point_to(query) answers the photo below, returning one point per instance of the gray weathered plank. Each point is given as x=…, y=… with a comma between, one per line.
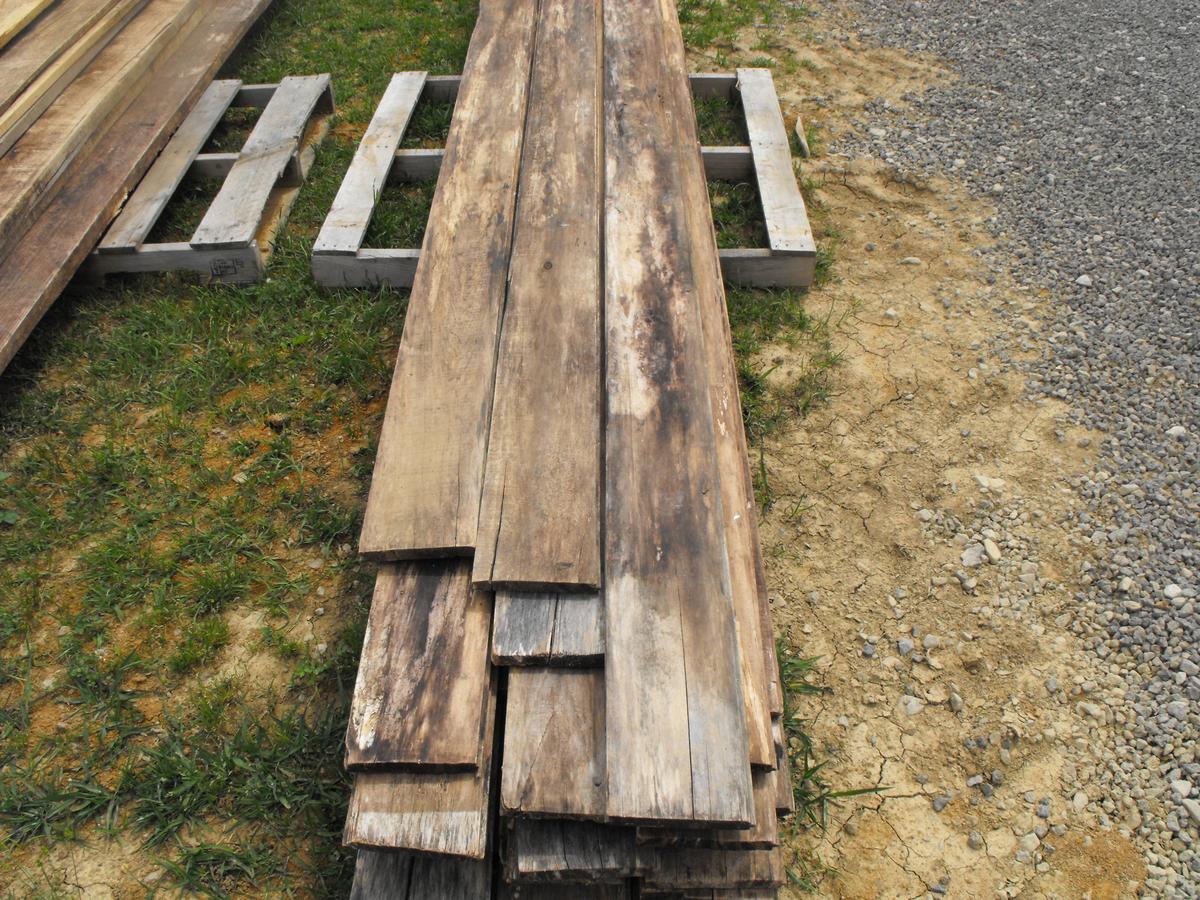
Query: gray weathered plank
x=368, y=268
x=147, y=202
x=688, y=869
x=763, y=836
x=233, y=218
x=344, y=226
x=421, y=691
x=554, y=744
x=785, y=797
x=564, y=851
x=444, y=813
x=381, y=875
x=676, y=723
x=788, y=230
x=539, y=518
x=229, y=266
x=428, y=476
x=549, y=629
x=763, y=268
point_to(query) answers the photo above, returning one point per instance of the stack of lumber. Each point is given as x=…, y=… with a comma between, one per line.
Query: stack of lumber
x=90, y=91
x=568, y=684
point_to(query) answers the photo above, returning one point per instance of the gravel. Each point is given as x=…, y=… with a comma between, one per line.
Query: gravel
x=1079, y=121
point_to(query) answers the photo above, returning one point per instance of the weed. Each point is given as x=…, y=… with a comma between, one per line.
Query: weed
x=202, y=641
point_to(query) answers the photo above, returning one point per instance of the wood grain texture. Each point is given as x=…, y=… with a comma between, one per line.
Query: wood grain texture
x=506, y=891
x=421, y=691
x=24, y=109
x=444, y=813
x=788, y=229
x=578, y=852
x=554, y=744
x=233, y=218
x=676, y=723
x=381, y=875
x=428, y=476
x=547, y=629
x=40, y=261
x=785, y=797
x=71, y=124
x=346, y=224
x=146, y=204
x=736, y=488
x=450, y=879
x=539, y=522
x=16, y=14
x=763, y=836
x=29, y=55
x=686, y=869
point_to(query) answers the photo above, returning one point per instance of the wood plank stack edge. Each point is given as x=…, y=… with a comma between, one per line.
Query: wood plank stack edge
x=568, y=684
x=90, y=92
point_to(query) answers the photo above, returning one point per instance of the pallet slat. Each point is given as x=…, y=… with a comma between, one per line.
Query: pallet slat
x=443, y=813
x=788, y=230
x=233, y=218
x=547, y=629
x=16, y=14
x=146, y=204
x=429, y=470
x=675, y=720
x=346, y=224
x=421, y=691
x=539, y=519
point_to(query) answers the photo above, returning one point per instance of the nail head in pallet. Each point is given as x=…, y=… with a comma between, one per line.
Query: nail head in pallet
x=788, y=261
x=235, y=237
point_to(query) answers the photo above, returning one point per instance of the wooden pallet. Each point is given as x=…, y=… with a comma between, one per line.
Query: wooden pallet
x=235, y=237
x=339, y=259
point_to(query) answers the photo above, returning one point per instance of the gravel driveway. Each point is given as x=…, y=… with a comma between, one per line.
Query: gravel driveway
x=1080, y=121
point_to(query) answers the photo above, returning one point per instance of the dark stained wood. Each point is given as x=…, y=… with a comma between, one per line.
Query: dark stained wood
x=576, y=891
x=381, y=875
x=547, y=629
x=429, y=470
x=450, y=879
x=89, y=193
x=421, y=691
x=539, y=523
x=444, y=813
x=554, y=744
x=684, y=870
x=676, y=722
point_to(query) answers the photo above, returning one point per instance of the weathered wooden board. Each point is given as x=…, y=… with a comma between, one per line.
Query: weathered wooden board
x=429, y=470
x=16, y=14
x=344, y=227
x=554, y=744
x=148, y=201
x=736, y=489
x=421, y=692
x=556, y=850
x=70, y=125
x=233, y=218
x=676, y=723
x=391, y=875
x=381, y=875
x=539, y=522
x=685, y=869
x=788, y=230
x=577, y=891
x=42, y=259
x=23, y=110
x=38, y=48
x=241, y=265
x=785, y=796
x=763, y=836
x=547, y=629
x=445, y=813
x=368, y=268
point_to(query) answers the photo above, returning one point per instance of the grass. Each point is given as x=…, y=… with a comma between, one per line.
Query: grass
x=177, y=461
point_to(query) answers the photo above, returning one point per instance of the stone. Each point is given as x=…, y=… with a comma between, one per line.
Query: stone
x=1084, y=281
x=992, y=550
x=975, y=840
x=1177, y=431
x=972, y=556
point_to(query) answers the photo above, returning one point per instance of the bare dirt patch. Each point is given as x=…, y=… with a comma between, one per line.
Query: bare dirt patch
x=913, y=540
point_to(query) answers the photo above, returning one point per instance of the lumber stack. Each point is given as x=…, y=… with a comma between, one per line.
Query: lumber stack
x=90, y=91
x=568, y=684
